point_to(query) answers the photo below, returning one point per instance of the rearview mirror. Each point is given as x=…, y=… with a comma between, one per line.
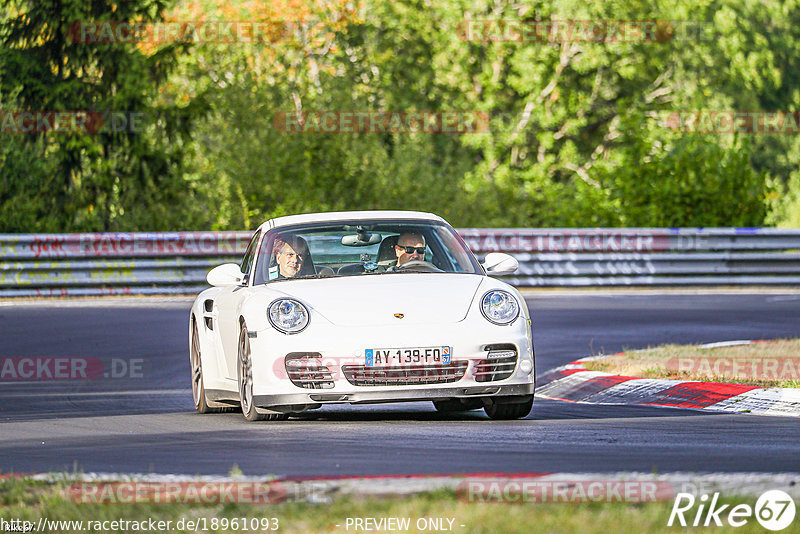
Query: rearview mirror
x=227, y=274
x=500, y=264
x=361, y=240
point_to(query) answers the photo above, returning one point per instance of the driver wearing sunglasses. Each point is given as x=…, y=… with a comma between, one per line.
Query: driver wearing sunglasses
x=409, y=247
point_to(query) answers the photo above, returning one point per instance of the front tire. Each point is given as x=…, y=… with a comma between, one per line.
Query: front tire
x=244, y=376
x=244, y=372
x=198, y=388
x=504, y=408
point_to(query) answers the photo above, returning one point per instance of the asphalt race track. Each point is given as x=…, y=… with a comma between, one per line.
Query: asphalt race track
x=143, y=420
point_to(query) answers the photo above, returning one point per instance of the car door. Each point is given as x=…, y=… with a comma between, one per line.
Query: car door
x=229, y=302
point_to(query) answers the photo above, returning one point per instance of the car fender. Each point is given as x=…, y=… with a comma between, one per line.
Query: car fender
x=211, y=352
x=255, y=308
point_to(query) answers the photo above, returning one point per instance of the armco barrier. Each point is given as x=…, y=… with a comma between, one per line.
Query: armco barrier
x=177, y=262
x=646, y=256
x=113, y=263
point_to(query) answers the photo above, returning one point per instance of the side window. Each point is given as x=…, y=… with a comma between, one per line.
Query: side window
x=250, y=255
x=443, y=258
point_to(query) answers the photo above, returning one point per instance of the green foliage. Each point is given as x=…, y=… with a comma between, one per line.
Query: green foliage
x=667, y=181
x=785, y=202
x=90, y=180
x=577, y=137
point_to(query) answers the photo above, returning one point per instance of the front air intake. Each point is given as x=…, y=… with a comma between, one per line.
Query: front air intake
x=305, y=370
x=499, y=364
x=411, y=375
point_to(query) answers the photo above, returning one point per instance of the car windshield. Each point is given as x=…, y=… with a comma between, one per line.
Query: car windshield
x=359, y=248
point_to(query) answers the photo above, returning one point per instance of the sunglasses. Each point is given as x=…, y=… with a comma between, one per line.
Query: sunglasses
x=411, y=250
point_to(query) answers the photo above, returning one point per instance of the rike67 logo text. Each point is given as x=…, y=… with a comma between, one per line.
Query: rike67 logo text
x=774, y=510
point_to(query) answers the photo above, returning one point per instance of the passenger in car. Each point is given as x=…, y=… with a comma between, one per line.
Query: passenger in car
x=292, y=258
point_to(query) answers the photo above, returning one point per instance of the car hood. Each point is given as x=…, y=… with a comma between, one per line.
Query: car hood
x=375, y=299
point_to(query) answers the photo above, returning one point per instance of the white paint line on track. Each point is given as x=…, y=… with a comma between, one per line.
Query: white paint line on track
x=98, y=302
x=784, y=293
x=719, y=344
x=107, y=426
x=781, y=298
x=70, y=394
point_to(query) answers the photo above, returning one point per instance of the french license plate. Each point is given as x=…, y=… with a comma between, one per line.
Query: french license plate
x=404, y=356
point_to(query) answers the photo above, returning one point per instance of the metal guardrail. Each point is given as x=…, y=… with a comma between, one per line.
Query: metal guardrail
x=646, y=256
x=177, y=262
x=139, y=263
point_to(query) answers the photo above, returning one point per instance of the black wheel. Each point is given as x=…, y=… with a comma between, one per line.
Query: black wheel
x=201, y=402
x=456, y=405
x=198, y=389
x=244, y=371
x=509, y=408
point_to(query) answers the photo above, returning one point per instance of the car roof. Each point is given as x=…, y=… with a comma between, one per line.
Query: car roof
x=333, y=216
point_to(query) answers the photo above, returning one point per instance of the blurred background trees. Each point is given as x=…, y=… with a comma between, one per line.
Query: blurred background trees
x=578, y=135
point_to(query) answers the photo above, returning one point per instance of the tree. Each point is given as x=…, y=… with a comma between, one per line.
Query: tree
x=91, y=178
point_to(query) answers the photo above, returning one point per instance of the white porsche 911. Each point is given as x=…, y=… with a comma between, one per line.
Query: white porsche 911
x=361, y=307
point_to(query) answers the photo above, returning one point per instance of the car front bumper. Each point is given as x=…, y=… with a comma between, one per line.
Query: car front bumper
x=301, y=401
x=272, y=388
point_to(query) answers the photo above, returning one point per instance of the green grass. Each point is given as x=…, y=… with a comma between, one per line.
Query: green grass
x=28, y=500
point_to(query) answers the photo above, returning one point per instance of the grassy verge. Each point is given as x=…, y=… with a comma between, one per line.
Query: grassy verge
x=27, y=500
x=767, y=364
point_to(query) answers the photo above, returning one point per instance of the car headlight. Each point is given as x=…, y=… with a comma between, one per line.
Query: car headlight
x=500, y=307
x=288, y=316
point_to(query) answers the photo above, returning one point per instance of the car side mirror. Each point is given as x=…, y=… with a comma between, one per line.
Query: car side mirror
x=500, y=264
x=225, y=275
